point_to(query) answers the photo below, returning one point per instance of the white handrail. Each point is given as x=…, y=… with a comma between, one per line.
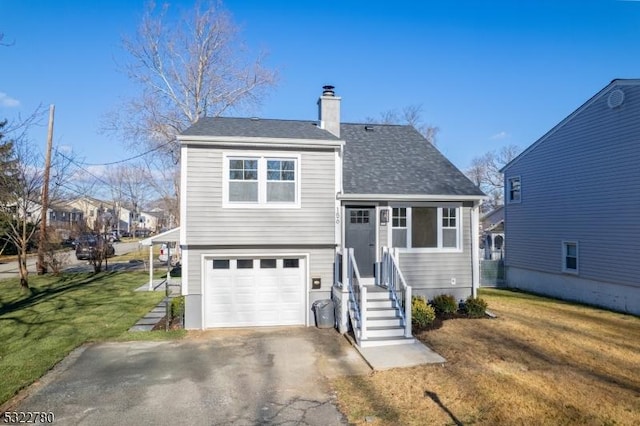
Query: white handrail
x=394, y=274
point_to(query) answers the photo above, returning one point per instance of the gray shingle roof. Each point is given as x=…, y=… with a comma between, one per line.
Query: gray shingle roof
x=258, y=127
x=396, y=159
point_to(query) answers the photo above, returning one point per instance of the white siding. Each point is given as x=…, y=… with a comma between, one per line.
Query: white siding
x=582, y=183
x=209, y=223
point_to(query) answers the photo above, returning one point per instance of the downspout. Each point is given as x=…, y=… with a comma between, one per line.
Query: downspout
x=475, y=249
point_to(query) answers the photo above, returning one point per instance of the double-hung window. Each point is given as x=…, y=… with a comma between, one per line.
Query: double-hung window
x=281, y=181
x=570, y=257
x=243, y=180
x=261, y=181
x=514, y=190
x=430, y=228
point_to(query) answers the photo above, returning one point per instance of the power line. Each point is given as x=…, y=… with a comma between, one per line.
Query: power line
x=130, y=158
x=85, y=170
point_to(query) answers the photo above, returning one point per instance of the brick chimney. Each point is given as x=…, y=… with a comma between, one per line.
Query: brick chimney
x=329, y=110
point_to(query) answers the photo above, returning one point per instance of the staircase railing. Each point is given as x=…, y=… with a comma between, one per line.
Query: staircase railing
x=392, y=278
x=357, y=292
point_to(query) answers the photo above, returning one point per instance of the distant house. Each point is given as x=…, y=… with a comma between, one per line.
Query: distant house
x=93, y=210
x=279, y=214
x=492, y=234
x=573, y=203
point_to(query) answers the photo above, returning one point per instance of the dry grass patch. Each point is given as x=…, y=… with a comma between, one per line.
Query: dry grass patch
x=540, y=362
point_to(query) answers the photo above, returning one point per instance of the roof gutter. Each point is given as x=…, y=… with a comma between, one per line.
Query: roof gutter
x=259, y=141
x=410, y=197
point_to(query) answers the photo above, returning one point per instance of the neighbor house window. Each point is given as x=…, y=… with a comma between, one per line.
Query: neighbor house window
x=261, y=181
x=426, y=227
x=570, y=257
x=514, y=190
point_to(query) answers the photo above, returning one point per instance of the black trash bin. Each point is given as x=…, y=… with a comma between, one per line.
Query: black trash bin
x=325, y=317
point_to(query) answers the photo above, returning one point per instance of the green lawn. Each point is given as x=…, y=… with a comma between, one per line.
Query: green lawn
x=38, y=330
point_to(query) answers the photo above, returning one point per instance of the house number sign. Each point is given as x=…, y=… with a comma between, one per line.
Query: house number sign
x=337, y=215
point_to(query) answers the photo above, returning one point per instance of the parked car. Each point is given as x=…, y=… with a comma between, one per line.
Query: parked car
x=68, y=243
x=142, y=233
x=113, y=237
x=88, y=246
x=164, y=255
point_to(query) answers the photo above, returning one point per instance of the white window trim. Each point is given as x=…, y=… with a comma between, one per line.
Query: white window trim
x=262, y=157
x=509, y=185
x=564, y=258
x=439, y=248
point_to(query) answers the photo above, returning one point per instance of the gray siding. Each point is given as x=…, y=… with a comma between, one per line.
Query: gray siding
x=567, y=287
x=430, y=274
x=582, y=183
x=208, y=223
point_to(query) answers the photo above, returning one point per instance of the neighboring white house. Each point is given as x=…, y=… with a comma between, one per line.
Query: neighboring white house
x=573, y=202
x=492, y=234
x=270, y=207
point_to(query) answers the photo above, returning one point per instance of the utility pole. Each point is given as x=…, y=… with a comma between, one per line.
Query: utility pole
x=42, y=241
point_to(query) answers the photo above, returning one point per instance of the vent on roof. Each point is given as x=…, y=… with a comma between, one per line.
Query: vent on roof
x=328, y=90
x=368, y=128
x=615, y=99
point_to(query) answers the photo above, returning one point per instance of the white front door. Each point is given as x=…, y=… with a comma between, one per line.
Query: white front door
x=254, y=292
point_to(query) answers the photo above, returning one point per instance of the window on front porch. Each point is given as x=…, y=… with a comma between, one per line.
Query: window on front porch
x=428, y=228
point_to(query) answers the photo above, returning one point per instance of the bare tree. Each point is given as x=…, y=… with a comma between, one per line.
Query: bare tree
x=411, y=115
x=485, y=173
x=21, y=210
x=185, y=68
x=130, y=185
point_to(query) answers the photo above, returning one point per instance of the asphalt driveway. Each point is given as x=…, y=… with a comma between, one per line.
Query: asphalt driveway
x=239, y=377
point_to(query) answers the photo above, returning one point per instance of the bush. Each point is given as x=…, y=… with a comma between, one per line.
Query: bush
x=475, y=308
x=177, y=310
x=422, y=314
x=445, y=304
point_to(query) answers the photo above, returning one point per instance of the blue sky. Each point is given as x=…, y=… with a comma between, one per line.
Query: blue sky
x=487, y=73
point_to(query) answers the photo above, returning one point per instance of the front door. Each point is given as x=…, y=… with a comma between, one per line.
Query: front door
x=360, y=235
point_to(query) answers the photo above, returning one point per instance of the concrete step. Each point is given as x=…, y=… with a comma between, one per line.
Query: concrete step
x=384, y=331
x=386, y=341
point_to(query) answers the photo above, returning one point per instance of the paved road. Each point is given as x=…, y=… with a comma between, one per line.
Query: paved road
x=225, y=377
x=10, y=269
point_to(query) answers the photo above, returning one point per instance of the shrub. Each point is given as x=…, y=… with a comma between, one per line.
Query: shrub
x=475, y=307
x=177, y=309
x=445, y=304
x=422, y=314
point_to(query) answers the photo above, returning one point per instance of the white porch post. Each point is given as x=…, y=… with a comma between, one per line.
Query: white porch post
x=407, y=312
x=151, y=267
x=475, y=249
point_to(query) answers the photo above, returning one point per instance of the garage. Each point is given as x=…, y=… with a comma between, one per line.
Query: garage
x=265, y=291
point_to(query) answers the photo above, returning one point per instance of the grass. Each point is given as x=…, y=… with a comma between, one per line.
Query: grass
x=542, y=361
x=39, y=329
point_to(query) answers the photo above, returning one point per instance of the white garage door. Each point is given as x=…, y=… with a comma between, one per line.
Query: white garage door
x=254, y=292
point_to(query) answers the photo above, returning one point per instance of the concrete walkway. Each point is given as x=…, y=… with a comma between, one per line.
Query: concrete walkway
x=399, y=356
x=152, y=318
